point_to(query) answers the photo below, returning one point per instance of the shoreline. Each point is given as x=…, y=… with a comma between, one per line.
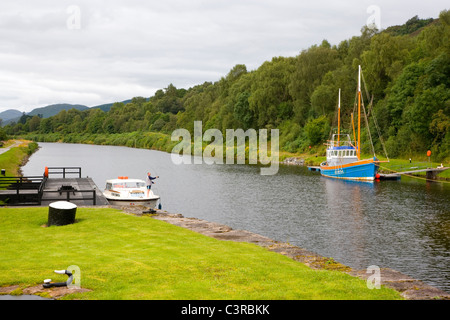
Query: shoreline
x=409, y=288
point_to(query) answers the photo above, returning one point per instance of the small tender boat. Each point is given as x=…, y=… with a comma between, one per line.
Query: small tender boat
x=129, y=192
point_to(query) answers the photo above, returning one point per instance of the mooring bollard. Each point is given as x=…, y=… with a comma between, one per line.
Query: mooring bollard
x=61, y=213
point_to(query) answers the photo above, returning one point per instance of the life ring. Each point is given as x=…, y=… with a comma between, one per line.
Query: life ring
x=46, y=172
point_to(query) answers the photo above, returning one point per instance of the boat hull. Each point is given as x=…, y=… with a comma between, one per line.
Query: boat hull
x=134, y=202
x=364, y=170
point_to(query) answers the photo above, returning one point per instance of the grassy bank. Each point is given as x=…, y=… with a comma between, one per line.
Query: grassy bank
x=13, y=159
x=123, y=256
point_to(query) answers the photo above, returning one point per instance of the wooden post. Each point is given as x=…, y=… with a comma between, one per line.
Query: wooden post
x=61, y=213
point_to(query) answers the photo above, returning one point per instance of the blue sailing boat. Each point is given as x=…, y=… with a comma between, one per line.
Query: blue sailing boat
x=343, y=158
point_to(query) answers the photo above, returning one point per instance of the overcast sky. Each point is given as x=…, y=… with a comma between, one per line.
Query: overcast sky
x=95, y=52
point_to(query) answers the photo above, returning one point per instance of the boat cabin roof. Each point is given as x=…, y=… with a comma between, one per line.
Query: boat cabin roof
x=122, y=180
x=342, y=148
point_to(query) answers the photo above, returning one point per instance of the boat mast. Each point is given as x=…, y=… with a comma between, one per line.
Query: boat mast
x=339, y=117
x=353, y=125
x=359, y=114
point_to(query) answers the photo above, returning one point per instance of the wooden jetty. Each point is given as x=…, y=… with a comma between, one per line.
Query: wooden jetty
x=431, y=173
x=45, y=189
x=81, y=191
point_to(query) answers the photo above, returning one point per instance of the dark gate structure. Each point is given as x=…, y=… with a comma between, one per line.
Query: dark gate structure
x=56, y=184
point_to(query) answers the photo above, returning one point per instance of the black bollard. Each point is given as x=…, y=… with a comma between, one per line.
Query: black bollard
x=61, y=213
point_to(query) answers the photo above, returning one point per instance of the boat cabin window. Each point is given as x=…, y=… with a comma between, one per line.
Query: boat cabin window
x=341, y=153
x=129, y=185
x=108, y=186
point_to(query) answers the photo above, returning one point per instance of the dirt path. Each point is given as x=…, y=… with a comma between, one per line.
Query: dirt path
x=15, y=144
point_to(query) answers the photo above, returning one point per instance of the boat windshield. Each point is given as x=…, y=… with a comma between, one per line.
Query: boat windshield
x=128, y=185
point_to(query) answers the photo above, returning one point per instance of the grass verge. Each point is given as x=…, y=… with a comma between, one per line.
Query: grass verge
x=13, y=159
x=129, y=257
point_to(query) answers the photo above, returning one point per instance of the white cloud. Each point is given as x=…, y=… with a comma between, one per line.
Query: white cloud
x=132, y=48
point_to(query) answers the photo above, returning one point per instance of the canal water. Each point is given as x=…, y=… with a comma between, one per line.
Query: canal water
x=403, y=225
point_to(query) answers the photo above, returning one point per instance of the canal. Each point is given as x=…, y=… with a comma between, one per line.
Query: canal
x=403, y=225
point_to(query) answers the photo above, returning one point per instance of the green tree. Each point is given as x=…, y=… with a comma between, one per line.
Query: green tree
x=310, y=68
x=95, y=121
x=317, y=130
x=242, y=111
x=323, y=100
x=34, y=123
x=440, y=128
x=384, y=60
x=46, y=126
x=270, y=89
x=3, y=135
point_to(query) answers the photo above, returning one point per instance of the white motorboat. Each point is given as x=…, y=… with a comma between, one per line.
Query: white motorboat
x=129, y=192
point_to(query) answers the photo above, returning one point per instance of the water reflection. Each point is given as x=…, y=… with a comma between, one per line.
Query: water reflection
x=346, y=209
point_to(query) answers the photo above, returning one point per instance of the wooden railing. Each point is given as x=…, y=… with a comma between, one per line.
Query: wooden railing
x=63, y=170
x=72, y=198
x=30, y=190
x=26, y=190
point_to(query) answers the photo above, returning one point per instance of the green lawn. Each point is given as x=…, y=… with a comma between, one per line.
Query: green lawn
x=123, y=256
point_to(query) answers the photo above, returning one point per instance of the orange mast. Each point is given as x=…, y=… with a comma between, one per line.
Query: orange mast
x=359, y=114
x=353, y=125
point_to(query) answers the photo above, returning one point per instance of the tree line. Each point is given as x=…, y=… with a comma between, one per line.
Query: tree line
x=406, y=70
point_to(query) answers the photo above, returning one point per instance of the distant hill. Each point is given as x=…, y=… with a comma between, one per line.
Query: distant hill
x=10, y=114
x=54, y=109
x=106, y=107
x=45, y=112
x=13, y=115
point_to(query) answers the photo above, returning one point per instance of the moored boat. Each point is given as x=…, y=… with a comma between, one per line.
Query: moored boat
x=129, y=192
x=343, y=163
